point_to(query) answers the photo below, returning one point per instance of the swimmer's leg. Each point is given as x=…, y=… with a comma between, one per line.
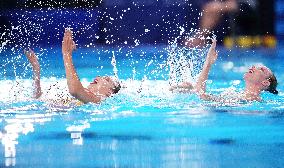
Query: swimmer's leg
x=213, y=11
x=36, y=71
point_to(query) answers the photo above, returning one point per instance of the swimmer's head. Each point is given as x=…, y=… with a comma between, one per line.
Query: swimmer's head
x=261, y=77
x=105, y=85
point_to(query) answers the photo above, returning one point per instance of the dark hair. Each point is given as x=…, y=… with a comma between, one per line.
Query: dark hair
x=273, y=84
x=116, y=88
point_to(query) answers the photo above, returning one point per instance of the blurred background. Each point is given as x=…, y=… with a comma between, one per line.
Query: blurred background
x=135, y=22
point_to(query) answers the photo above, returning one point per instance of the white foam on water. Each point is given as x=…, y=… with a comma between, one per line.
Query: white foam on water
x=56, y=90
x=22, y=89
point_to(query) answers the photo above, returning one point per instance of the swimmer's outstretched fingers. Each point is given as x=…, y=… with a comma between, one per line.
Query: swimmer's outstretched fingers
x=68, y=44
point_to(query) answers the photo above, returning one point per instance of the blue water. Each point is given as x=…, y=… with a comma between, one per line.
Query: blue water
x=153, y=128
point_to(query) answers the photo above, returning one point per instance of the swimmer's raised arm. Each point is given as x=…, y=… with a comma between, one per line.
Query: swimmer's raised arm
x=75, y=87
x=36, y=71
x=200, y=86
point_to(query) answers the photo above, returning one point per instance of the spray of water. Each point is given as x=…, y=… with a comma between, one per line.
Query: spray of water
x=30, y=30
x=185, y=62
x=113, y=63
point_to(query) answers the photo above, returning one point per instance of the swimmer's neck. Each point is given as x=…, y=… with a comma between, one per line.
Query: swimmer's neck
x=252, y=93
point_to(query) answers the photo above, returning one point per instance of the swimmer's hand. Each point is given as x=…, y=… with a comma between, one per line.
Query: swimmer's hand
x=32, y=58
x=68, y=44
x=212, y=53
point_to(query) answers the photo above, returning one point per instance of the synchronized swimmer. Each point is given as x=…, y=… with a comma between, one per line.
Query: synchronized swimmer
x=257, y=79
x=98, y=90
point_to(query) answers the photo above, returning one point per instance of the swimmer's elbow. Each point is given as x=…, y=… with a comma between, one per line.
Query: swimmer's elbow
x=72, y=91
x=83, y=96
x=75, y=92
x=204, y=97
x=78, y=96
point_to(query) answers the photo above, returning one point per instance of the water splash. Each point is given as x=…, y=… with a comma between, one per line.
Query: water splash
x=185, y=62
x=2, y=47
x=113, y=63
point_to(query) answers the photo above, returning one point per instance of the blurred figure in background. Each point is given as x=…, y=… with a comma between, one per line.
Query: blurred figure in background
x=212, y=13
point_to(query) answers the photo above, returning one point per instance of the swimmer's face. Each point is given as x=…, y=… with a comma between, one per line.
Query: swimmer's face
x=102, y=85
x=257, y=75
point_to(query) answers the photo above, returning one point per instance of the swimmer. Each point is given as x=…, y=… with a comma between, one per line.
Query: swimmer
x=98, y=90
x=257, y=80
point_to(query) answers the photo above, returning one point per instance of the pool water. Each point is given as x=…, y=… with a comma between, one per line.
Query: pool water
x=145, y=125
